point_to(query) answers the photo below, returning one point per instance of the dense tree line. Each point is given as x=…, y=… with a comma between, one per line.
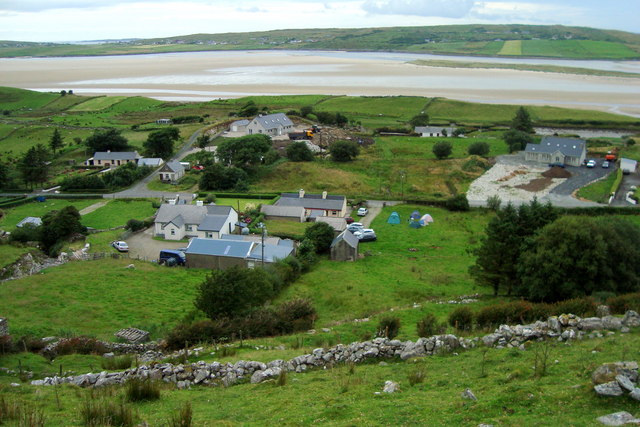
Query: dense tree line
x=57, y=228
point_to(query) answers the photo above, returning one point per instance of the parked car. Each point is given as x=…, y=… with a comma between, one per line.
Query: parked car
x=591, y=163
x=120, y=246
x=366, y=235
x=605, y=164
x=172, y=257
x=355, y=226
x=363, y=211
x=558, y=164
x=349, y=219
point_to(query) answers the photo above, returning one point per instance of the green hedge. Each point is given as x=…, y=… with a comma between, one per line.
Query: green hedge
x=240, y=195
x=617, y=182
x=17, y=201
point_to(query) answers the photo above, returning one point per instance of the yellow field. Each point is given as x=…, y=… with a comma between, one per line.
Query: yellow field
x=99, y=103
x=511, y=47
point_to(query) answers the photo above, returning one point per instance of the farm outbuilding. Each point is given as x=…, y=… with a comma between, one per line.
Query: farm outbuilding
x=345, y=247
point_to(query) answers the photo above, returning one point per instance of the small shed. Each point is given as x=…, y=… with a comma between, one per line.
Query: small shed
x=628, y=165
x=338, y=224
x=394, y=218
x=171, y=171
x=33, y=221
x=345, y=247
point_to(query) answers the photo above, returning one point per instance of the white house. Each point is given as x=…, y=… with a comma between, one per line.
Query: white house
x=435, y=131
x=171, y=171
x=175, y=222
x=113, y=158
x=553, y=149
x=271, y=124
x=239, y=126
x=302, y=206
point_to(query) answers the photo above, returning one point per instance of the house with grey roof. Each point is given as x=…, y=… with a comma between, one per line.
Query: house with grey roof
x=239, y=126
x=171, y=171
x=271, y=124
x=314, y=205
x=433, y=131
x=32, y=221
x=175, y=222
x=113, y=158
x=221, y=254
x=345, y=247
x=153, y=162
x=553, y=149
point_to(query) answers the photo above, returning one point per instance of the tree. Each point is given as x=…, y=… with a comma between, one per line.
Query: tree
x=344, y=151
x=58, y=226
x=442, y=149
x=299, y=151
x=202, y=141
x=160, y=143
x=248, y=109
x=522, y=121
x=517, y=140
x=421, y=119
x=234, y=291
x=4, y=175
x=219, y=177
x=107, y=140
x=341, y=120
x=479, y=149
x=245, y=152
x=306, y=110
x=577, y=256
x=56, y=141
x=321, y=234
x=34, y=165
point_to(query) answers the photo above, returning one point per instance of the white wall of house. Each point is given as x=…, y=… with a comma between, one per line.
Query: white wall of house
x=172, y=232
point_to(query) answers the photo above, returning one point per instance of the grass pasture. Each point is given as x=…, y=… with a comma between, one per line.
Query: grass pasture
x=99, y=297
x=511, y=48
x=98, y=103
x=14, y=215
x=9, y=254
x=577, y=49
x=13, y=99
x=117, y=212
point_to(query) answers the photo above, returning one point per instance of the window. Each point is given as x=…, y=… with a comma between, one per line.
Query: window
x=173, y=231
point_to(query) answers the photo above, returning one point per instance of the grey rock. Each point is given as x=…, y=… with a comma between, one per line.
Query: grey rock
x=590, y=324
x=613, y=323
x=391, y=387
x=491, y=339
x=603, y=311
x=260, y=376
x=200, y=376
x=608, y=371
x=618, y=419
x=37, y=382
x=468, y=394
x=108, y=355
x=14, y=385
x=635, y=394
x=230, y=379
x=609, y=389
x=625, y=382
x=554, y=324
x=631, y=319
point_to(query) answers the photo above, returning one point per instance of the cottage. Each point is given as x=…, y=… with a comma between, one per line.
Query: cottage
x=271, y=124
x=553, y=149
x=113, y=158
x=433, y=131
x=175, y=222
x=315, y=205
x=345, y=247
x=289, y=213
x=163, y=121
x=171, y=171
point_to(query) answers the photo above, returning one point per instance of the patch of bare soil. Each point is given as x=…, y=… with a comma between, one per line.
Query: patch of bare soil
x=513, y=175
x=557, y=172
x=536, y=185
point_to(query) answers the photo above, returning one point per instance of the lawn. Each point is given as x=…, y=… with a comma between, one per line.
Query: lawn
x=38, y=209
x=186, y=183
x=291, y=228
x=598, y=191
x=241, y=205
x=579, y=49
x=117, y=212
x=405, y=265
x=511, y=47
x=99, y=298
x=403, y=107
x=9, y=254
x=97, y=103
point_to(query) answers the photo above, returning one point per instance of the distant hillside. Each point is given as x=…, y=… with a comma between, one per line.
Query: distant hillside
x=549, y=41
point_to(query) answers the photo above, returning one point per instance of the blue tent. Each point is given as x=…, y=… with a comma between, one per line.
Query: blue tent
x=394, y=218
x=415, y=215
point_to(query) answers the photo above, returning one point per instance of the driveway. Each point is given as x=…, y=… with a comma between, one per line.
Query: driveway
x=627, y=182
x=582, y=176
x=143, y=246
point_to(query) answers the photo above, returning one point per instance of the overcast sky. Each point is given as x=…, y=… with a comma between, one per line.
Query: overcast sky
x=75, y=20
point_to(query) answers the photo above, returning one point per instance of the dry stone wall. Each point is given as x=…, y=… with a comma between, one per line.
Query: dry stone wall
x=4, y=327
x=561, y=328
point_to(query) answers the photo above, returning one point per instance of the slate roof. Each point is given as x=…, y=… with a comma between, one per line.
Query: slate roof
x=173, y=166
x=348, y=237
x=311, y=201
x=150, y=161
x=292, y=211
x=212, y=223
x=550, y=144
x=219, y=210
x=219, y=247
x=434, y=129
x=271, y=252
x=191, y=214
x=338, y=224
x=240, y=123
x=116, y=155
x=273, y=121
x=36, y=221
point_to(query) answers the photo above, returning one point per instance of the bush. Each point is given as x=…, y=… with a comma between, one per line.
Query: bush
x=135, y=225
x=457, y=203
x=428, y=326
x=26, y=233
x=104, y=413
x=388, y=327
x=504, y=314
x=296, y=315
x=494, y=202
x=298, y=151
x=139, y=390
x=621, y=304
x=210, y=198
x=80, y=345
x=584, y=307
x=442, y=149
x=321, y=235
x=198, y=332
x=417, y=375
x=478, y=149
x=461, y=318
x=344, y=151
x=184, y=417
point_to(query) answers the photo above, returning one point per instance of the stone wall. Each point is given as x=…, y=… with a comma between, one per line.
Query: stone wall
x=561, y=328
x=4, y=327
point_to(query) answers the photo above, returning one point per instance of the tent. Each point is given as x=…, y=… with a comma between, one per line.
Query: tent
x=394, y=218
x=415, y=215
x=415, y=224
x=426, y=219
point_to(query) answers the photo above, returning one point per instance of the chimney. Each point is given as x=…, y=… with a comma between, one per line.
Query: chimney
x=324, y=194
x=301, y=193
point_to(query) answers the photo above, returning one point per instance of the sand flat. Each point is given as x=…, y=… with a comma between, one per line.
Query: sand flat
x=209, y=75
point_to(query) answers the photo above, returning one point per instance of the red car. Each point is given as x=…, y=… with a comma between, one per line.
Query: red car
x=197, y=167
x=348, y=219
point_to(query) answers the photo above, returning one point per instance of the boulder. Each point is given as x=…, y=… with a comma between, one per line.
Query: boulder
x=554, y=324
x=201, y=375
x=590, y=324
x=612, y=323
x=631, y=319
x=260, y=376
x=608, y=371
x=391, y=387
x=635, y=394
x=618, y=419
x=609, y=389
x=491, y=339
x=625, y=382
x=468, y=394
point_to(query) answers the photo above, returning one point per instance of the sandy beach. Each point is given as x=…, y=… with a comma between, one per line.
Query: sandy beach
x=202, y=76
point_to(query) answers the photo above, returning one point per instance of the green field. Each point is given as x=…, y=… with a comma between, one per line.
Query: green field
x=598, y=191
x=98, y=103
x=511, y=48
x=116, y=213
x=38, y=209
x=577, y=49
x=9, y=254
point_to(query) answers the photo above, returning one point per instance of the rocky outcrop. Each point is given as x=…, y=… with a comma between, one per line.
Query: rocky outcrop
x=27, y=265
x=616, y=379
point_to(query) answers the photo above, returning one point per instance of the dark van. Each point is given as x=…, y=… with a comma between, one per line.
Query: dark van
x=172, y=257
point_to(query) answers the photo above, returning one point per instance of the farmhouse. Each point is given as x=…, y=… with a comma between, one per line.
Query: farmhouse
x=435, y=131
x=345, y=247
x=553, y=149
x=171, y=171
x=271, y=124
x=175, y=222
x=221, y=254
x=314, y=205
x=113, y=158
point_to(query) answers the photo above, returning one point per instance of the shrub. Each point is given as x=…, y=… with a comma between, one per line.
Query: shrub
x=388, y=327
x=457, y=203
x=183, y=418
x=23, y=414
x=201, y=331
x=134, y=225
x=321, y=234
x=504, y=314
x=428, y=326
x=461, y=318
x=80, y=345
x=296, y=315
x=210, y=198
x=622, y=303
x=478, y=149
x=105, y=413
x=494, y=202
x=117, y=363
x=579, y=306
x=442, y=149
x=298, y=151
x=344, y=151
x=138, y=390
x=6, y=344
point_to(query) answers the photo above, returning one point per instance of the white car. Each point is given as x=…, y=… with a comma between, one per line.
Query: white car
x=591, y=164
x=120, y=246
x=363, y=211
x=366, y=235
